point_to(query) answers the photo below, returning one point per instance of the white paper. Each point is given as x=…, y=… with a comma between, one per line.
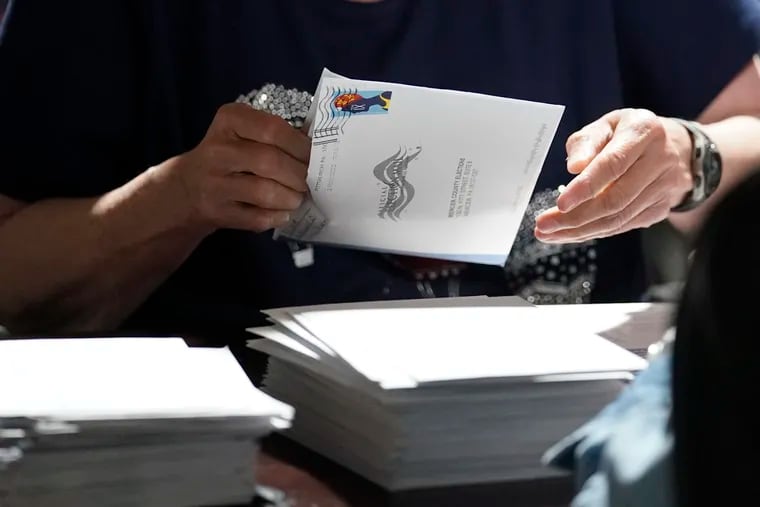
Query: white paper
x=634, y=326
x=447, y=344
x=289, y=333
x=421, y=171
x=487, y=387
x=132, y=378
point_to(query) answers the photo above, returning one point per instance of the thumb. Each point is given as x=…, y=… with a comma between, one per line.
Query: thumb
x=584, y=145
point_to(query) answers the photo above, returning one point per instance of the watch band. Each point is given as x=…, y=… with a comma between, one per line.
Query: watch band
x=705, y=163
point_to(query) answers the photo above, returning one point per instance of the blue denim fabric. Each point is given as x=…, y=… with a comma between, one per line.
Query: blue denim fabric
x=623, y=456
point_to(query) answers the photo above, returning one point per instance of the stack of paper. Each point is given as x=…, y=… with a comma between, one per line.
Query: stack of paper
x=128, y=422
x=438, y=392
x=421, y=171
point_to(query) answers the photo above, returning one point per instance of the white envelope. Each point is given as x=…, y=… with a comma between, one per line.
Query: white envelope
x=420, y=171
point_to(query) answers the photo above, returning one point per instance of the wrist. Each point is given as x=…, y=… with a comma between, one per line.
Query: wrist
x=683, y=143
x=151, y=205
x=705, y=167
x=173, y=193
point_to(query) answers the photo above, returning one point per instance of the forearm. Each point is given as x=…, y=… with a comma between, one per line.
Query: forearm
x=738, y=139
x=86, y=264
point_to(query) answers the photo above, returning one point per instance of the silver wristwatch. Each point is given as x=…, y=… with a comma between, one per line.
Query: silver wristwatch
x=706, y=166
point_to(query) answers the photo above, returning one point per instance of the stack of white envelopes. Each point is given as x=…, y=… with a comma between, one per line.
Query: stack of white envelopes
x=414, y=394
x=128, y=422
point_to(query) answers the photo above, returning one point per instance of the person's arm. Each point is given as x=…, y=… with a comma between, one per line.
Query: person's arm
x=86, y=264
x=733, y=122
x=634, y=166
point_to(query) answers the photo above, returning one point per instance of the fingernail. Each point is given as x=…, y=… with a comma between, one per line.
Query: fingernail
x=544, y=239
x=573, y=159
x=580, y=154
x=547, y=226
x=565, y=203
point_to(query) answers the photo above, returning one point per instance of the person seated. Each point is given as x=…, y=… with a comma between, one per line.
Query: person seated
x=135, y=194
x=715, y=374
x=684, y=432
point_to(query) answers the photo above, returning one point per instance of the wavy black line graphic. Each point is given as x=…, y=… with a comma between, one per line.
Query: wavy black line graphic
x=398, y=192
x=330, y=124
x=324, y=111
x=343, y=118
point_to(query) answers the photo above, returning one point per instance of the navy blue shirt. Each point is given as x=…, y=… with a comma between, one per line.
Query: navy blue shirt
x=92, y=93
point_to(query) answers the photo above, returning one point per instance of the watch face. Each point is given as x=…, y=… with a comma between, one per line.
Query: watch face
x=707, y=167
x=713, y=168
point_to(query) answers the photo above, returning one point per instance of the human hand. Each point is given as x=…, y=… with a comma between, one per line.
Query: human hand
x=632, y=168
x=248, y=172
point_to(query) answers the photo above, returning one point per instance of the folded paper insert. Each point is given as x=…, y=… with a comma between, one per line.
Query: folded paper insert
x=420, y=171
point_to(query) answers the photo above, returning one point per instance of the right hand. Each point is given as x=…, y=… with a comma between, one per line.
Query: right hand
x=248, y=172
